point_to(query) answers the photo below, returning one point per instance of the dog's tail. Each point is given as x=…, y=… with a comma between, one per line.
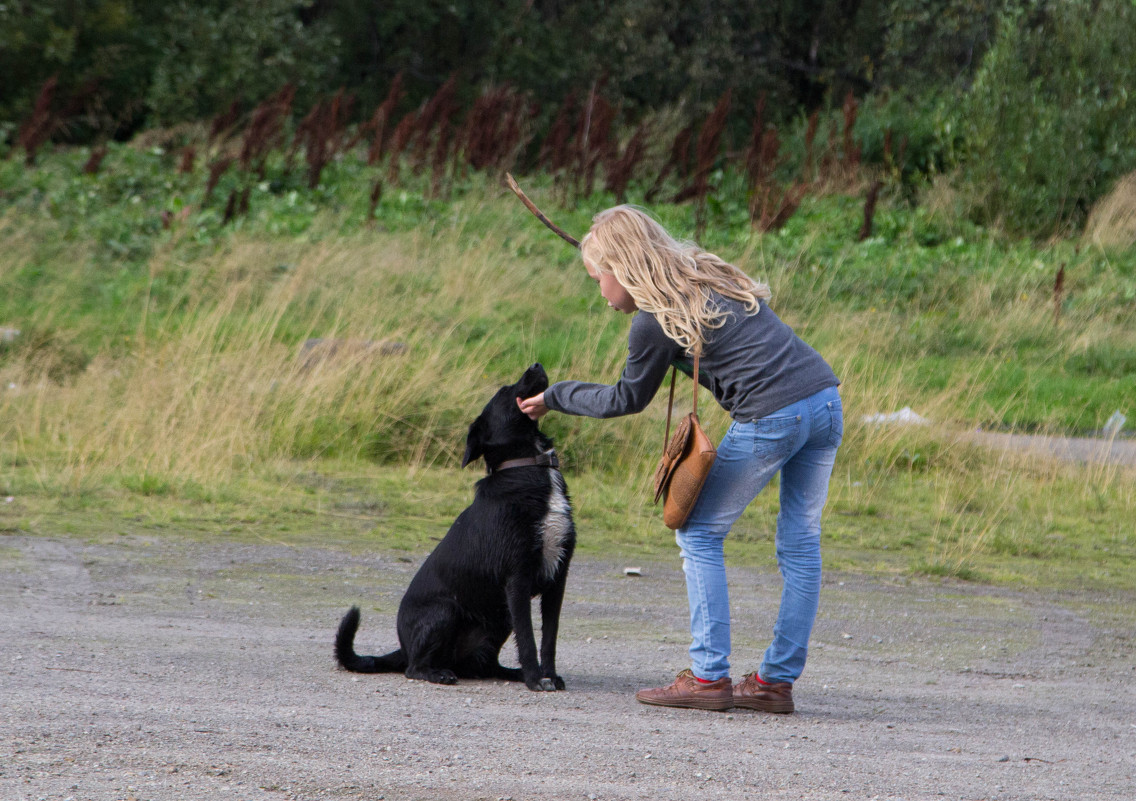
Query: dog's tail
x=394, y=662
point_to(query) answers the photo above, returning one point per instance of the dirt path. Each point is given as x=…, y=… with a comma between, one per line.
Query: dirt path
x=165, y=671
x=1085, y=450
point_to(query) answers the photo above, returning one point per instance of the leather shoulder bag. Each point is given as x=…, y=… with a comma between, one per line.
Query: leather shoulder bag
x=686, y=462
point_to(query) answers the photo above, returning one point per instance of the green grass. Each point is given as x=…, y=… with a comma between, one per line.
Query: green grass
x=902, y=524
x=157, y=388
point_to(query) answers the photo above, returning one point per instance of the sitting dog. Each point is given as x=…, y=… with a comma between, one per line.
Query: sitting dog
x=512, y=543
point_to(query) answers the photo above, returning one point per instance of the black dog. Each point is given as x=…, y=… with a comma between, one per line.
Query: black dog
x=512, y=543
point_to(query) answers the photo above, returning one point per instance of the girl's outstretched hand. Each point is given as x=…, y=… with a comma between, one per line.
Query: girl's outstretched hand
x=533, y=407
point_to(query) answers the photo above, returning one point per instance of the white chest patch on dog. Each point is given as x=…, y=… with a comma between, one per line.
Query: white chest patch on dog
x=555, y=526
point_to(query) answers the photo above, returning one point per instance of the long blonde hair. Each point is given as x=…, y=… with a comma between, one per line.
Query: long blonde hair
x=666, y=277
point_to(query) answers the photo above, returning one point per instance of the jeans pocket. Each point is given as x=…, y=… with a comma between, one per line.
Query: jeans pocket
x=774, y=437
x=836, y=423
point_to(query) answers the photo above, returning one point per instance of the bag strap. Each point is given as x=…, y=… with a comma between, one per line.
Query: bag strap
x=671, y=400
x=670, y=404
x=695, y=409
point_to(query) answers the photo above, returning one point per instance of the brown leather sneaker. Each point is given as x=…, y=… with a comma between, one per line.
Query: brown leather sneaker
x=751, y=693
x=689, y=693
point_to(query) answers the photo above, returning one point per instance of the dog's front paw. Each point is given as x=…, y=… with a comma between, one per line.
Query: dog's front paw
x=547, y=684
x=552, y=682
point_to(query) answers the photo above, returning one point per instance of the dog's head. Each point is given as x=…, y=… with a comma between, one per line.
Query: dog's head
x=502, y=431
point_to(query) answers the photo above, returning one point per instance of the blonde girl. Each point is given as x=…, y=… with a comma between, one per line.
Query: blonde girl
x=786, y=417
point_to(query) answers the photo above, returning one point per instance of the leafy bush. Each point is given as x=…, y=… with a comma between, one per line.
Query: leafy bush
x=923, y=140
x=935, y=44
x=1049, y=123
x=100, y=52
x=213, y=54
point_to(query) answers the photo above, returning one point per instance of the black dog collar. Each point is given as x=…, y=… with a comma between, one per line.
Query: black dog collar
x=547, y=459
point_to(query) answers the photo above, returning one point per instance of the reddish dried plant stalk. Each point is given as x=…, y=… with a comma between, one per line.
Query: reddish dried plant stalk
x=555, y=153
x=95, y=161
x=376, y=196
x=223, y=123
x=870, y=209
x=851, y=149
x=810, y=142
x=42, y=123
x=594, y=142
x=491, y=129
x=381, y=119
x=773, y=214
x=188, y=154
x=434, y=115
x=399, y=138
x=709, y=143
x=676, y=162
x=1058, y=294
x=216, y=170
x=621, y=168
x=265, y=129
x=753, y=155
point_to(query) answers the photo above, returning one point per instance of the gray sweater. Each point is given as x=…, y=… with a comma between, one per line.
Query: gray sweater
x=754, y=365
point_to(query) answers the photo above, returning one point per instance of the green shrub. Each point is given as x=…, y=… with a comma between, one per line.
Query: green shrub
x=214, y=54
x=923, y=138
x=1049, y=124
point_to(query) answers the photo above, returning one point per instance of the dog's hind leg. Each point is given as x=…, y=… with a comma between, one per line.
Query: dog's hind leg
x=430, y=644
x=508, y=673
x=484, y=660
x=432, y=675
x=424, y=668
x=479, y=651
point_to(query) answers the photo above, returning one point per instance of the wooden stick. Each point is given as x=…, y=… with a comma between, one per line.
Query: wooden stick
x=539, y=214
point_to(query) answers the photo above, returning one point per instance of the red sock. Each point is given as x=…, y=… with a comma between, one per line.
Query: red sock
x=705, y=681
x=760, y=680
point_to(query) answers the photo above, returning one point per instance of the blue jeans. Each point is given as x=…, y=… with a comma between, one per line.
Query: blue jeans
x=800, y=440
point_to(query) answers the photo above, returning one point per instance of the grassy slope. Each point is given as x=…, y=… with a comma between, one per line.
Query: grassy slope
x=157, y=386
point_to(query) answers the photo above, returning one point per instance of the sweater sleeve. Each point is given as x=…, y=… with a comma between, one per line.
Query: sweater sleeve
x=649, y=353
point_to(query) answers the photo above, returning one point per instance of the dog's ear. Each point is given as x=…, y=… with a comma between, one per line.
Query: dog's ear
x=474, y=444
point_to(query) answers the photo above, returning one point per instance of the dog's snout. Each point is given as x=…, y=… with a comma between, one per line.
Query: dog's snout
x=533, y=381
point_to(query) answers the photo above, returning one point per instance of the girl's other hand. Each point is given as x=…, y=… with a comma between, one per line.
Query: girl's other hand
x=533, y=407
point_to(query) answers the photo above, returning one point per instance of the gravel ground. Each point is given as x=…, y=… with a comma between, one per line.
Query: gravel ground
x=165, y=670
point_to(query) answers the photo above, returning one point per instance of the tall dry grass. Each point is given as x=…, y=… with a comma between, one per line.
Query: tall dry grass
x=979, y=500
x=221, y=386
x=1112, y=222
x=430, y=327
